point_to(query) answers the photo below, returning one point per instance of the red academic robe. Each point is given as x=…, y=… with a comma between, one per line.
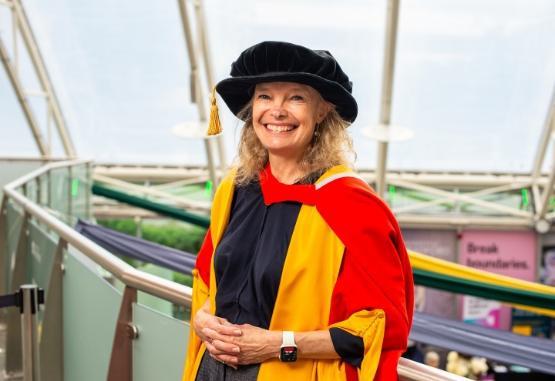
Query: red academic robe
x=375, y=270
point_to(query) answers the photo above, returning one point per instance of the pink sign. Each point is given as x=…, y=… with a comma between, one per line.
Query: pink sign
x=506, y=253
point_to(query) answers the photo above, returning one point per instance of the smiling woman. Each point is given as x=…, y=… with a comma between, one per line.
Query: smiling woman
x=303, y=273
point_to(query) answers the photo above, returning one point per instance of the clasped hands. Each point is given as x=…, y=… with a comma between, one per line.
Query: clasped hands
x=235, y=344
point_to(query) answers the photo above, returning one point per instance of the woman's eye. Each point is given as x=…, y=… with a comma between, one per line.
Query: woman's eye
x=263, y=96
x=297, y=97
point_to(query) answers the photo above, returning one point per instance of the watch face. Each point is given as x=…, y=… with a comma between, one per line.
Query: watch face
x=288, y=354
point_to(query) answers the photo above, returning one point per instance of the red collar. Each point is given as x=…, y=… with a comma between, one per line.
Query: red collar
x=273, y=191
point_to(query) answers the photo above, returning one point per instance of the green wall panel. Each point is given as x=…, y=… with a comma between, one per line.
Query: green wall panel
x=159, y=351
x=14, y=218
x=41, y=256
x=91, y=308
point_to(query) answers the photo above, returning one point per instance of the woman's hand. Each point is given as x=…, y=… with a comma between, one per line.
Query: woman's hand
x=218, y=335
x=257, y=344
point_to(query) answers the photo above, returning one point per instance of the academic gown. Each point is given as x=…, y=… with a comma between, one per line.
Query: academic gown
x=361, y=282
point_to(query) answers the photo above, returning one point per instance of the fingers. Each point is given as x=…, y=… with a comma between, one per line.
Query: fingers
x=218, y=324
x=216, y=354
x=214, y=351
x=219, y=344
x=224, y=347
x=213, y=335
x=228, y=329
x=228, y=360
x=222, y=326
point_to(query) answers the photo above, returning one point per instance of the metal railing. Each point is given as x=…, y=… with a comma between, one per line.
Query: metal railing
x=120, y=367
x=413, y=371
x=121, y=270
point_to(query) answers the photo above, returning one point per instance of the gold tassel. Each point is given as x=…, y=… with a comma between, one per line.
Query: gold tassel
x=214, y=125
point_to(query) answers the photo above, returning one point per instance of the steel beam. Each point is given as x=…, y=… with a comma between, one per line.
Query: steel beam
x=472, y=180
x=387, y=90
x=536, y=198
x=23, y=102
x=43, y=77
x=203, y=41
x=479, y=184
x=30, y=159
x=548, y=190
x=476, y=194
x=4, y=255
x=453, y=222
x=181, y=201
x=545, y=138
x=109, y=212
x=463, y=198
x=196, y=88
x=154, y=174
x=180, y=183
x=200, y=21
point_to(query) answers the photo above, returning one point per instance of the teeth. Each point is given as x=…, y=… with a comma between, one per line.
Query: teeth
x=274, y=128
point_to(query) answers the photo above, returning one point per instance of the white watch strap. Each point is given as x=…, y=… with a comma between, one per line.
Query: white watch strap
x=288, y=339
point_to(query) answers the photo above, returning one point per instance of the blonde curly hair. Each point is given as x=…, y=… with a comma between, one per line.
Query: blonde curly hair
x=331, y=145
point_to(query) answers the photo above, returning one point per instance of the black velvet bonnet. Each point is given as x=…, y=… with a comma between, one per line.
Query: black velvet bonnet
x=273, y=61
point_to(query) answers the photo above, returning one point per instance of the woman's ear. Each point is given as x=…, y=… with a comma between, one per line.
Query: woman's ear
x=323, y=109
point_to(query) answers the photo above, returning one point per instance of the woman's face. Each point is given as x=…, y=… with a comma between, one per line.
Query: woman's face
x=285, y=115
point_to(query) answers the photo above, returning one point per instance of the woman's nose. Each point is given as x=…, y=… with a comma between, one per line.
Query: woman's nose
x=278, y=112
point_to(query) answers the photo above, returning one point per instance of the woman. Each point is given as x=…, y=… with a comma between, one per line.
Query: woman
x=303, y=274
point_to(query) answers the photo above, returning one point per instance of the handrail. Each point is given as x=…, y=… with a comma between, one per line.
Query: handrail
x=42, y=170
x=130, y=276
x=415, y=371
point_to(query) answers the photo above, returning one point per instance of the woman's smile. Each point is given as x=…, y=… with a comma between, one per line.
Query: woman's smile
x=280, y=128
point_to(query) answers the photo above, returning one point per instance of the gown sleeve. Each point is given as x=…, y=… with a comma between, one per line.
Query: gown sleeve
x=348, y=346
x=375, y=286
x=201, y=282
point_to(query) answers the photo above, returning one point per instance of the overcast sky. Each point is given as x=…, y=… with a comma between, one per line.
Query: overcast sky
x=473, y=79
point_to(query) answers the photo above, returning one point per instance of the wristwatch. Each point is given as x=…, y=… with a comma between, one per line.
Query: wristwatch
x=288, y=351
